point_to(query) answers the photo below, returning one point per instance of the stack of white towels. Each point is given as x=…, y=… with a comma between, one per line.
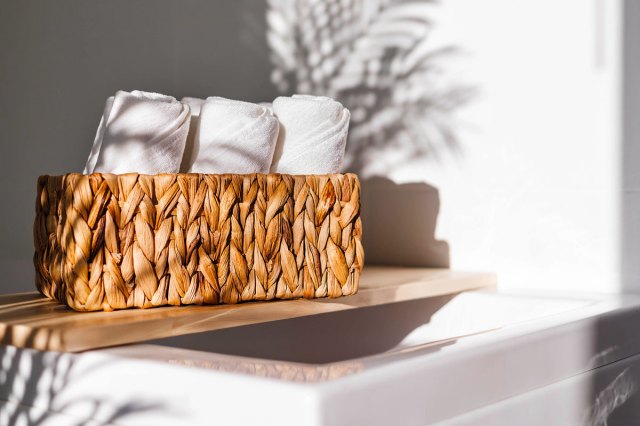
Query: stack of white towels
x=150, y=133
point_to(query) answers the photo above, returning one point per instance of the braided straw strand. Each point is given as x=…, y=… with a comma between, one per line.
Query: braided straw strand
x=106, y=242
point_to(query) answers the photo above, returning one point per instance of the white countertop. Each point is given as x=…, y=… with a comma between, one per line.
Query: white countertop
x=407, y=363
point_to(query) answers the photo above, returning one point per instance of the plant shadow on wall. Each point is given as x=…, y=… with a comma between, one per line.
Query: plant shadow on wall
x=377, y=57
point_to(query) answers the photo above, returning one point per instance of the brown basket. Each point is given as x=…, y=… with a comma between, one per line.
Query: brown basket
x=105, y=241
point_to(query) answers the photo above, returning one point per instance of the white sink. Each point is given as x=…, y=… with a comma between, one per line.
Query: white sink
x=416, y=362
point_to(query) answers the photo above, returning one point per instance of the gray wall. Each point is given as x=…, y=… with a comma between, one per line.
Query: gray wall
x=630, y=198
x=62, y=59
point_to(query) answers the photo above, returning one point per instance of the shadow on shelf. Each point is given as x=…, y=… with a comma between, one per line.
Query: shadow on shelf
x=318, y=339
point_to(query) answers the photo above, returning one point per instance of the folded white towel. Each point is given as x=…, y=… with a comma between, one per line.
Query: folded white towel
x=195, y=104
x=144, y=133
x=97, y=142
x=191, y=149
x=234, y=137
x=313, y=135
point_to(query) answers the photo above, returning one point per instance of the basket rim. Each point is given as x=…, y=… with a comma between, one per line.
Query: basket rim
x=347, y=174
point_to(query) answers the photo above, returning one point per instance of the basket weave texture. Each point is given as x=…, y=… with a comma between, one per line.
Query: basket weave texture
x=105, y=241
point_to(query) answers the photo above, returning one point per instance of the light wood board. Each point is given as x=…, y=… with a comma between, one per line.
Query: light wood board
x=32, y=321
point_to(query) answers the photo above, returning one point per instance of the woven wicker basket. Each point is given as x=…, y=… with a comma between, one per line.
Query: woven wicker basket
x=105, y=242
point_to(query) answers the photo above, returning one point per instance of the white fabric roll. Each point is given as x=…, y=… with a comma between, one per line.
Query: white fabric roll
x=97, y=142
x=194, y=103
x=191, y=149
x=234, y=137
x=313, y=135
x=144, y=133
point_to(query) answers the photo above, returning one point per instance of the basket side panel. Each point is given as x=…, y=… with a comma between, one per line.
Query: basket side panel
x=106, y=242
x=47, y=255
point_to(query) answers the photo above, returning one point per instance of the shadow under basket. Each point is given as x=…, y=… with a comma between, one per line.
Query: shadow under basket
x=105, y=241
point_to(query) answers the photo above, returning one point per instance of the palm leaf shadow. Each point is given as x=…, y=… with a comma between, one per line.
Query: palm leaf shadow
x=377, y=58
x=41, y=386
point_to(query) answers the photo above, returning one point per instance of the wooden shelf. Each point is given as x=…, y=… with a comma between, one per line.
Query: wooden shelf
x=29, y=320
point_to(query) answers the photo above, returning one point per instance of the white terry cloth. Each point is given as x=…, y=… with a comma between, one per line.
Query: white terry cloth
x=234, y=137
x=313, y=135
x=97, y=142
x=190, y=149
x=195, y=104
x=144, y=133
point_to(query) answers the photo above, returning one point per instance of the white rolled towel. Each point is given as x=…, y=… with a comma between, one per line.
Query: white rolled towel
x=234, y=137
x=97, y=142
x=191, y=149
x=313, y=135
x=144, y=133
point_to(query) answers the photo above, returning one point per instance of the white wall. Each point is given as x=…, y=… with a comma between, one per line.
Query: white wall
x=535, y=192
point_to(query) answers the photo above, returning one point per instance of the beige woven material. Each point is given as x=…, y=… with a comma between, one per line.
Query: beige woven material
x=105, y=241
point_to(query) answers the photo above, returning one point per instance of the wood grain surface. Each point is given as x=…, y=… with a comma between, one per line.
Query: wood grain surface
x=30, y=320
